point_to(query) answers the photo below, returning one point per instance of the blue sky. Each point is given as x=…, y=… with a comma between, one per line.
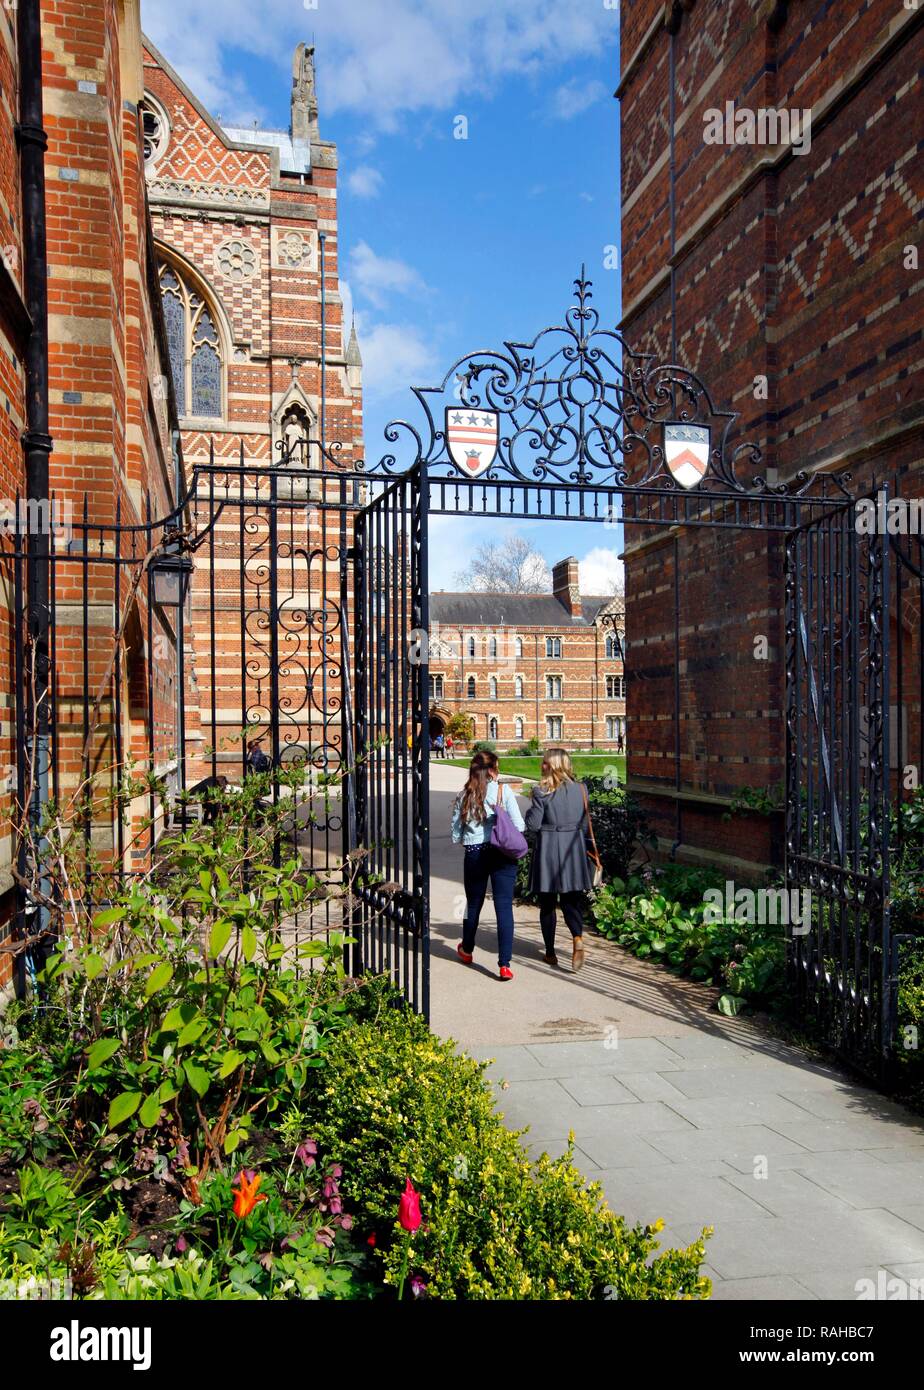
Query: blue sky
x=447, y=245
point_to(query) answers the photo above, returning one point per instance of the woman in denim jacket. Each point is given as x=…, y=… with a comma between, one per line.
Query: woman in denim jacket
x=473, y=817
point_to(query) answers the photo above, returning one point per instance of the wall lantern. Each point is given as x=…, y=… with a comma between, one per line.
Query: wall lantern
x=686, y=452
x=170, y=574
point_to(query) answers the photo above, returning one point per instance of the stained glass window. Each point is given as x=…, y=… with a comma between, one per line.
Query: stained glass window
x=175, y=316
x=194, y=346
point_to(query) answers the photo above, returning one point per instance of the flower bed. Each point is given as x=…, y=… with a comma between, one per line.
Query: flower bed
x=194, y=1105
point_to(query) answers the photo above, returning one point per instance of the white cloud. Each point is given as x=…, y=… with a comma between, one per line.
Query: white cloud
x=379, y=60
x=574, y=97
x=365, y=181
x=395, y=356
x=600, y=571
x=378, y=277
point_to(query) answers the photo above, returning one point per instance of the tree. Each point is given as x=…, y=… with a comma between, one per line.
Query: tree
x=461, y=727
x=510, y=566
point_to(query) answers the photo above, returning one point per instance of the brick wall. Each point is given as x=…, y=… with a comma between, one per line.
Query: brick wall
x=109, y=412
x=790, y=267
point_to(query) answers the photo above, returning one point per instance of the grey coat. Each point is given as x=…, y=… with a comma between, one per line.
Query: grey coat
x=559, y=821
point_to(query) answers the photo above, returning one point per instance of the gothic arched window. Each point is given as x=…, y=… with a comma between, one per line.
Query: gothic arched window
x=470, y=688
x=493, y=687
x=492, y=728
x=194, y=347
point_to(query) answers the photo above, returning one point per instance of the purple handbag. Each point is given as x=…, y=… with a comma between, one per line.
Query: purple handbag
x=504, y=834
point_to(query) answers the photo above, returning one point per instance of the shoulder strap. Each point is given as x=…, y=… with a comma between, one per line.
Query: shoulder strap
x=590, y=826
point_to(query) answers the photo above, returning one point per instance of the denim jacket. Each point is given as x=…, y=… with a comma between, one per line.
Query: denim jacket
x=479, y=832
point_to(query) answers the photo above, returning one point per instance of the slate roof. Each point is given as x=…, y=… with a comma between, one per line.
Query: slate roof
x=476, y=609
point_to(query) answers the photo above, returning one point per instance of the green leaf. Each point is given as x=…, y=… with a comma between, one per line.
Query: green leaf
x=730, y=1004
x=161, y=975
x=229, y=1063
x=101, y=1051
x=192, y=1031
x=150, y=1112
x=108, y=916
x=93, y=965
x=218, y=937
x=205, y=879
x=123, y=1107
x=248, y=943
x=232, y=1140
x=197, y=1077
x=178, y=1017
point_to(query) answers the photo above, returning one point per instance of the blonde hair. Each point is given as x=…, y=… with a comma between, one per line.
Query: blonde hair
x=556, y=769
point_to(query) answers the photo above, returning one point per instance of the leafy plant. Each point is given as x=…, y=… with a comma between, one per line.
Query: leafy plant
x=397, y=1103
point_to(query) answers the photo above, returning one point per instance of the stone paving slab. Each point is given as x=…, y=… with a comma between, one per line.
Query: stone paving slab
x=677, y=1196
x=780, y=1287
x=821, y=1242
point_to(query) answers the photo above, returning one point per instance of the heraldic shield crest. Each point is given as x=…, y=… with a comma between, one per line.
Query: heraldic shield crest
x=471, y=438
x=686, y=452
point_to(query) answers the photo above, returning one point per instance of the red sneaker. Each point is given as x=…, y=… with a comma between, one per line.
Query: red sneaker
x=464, y=956
x=506, y=973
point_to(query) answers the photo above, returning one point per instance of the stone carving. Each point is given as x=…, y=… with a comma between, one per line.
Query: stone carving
x=304, y=98
x=194, y=191
x=236, y=260
x=292, y=250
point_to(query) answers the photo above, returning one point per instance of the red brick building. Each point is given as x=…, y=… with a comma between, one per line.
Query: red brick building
x=112, y=419
x=530, y=666
x=785, y=271
x=247, y=248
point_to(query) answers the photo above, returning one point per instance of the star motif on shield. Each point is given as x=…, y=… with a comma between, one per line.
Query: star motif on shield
x=472, y=440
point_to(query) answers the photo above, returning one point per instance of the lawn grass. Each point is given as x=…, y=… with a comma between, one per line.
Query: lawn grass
x=585, y=764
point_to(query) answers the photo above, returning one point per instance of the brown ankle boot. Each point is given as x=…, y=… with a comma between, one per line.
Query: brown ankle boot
x=577, y=954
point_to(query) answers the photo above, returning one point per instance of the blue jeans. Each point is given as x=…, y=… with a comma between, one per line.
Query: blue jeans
x=484, y=863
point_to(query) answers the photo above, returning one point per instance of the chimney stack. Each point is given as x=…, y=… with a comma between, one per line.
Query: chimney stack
x=566, y=586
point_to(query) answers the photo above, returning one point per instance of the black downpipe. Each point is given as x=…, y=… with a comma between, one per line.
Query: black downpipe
x=32, y=142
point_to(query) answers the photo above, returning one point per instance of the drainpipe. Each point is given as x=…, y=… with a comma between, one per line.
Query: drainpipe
x=36, y=440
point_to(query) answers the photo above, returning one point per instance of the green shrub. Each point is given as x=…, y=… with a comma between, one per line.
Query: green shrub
x=484, y=745
x=396, y=1103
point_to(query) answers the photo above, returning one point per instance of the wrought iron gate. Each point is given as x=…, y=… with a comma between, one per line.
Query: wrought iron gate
x=391, y=749
x=838, y=793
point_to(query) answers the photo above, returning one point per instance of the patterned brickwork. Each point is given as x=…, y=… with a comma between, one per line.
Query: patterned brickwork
x=788, y=268
x=248, y=232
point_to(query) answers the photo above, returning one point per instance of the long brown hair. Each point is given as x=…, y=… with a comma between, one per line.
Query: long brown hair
x=471, y=800
x=556, y=769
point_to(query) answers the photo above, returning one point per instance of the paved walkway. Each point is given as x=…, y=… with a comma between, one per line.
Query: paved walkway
x=811, y=1181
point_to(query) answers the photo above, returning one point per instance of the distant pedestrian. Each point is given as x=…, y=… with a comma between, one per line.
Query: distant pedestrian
x=257, y=759
x=561, y=871
x=449, y=745
x=440, y=746
x=473, y=820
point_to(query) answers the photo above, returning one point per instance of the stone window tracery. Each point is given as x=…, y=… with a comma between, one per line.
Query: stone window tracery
x=194, y=346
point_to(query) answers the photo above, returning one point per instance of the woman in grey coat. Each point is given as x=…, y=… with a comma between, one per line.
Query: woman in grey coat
x=560, y=872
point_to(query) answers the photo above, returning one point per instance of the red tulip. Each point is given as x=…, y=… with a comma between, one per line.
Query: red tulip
x=409, y=1208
